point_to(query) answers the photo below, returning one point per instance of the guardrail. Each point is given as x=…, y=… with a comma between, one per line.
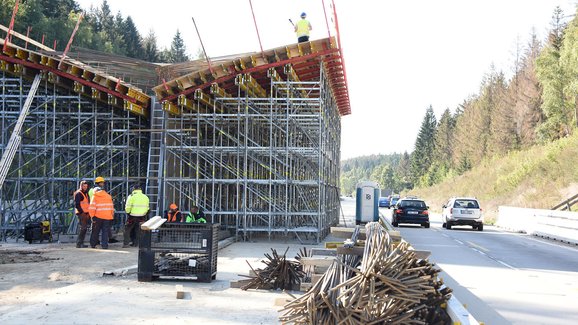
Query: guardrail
x=558, y=225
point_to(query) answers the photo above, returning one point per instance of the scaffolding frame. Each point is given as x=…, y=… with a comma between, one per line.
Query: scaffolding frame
x=66, y=138
x=258, y=162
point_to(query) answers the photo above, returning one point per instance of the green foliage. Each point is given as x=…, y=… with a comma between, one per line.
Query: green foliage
x=422, y=156
x=178, y=52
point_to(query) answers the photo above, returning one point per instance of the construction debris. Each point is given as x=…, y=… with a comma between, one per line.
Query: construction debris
x=279, y=273
x=388, y=285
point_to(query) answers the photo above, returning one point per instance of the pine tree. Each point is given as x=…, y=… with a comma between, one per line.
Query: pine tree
x=422, y=156
x=150, y=48
x=554, y=78
x=444, y=139
x=133, y=40
x=178, y=51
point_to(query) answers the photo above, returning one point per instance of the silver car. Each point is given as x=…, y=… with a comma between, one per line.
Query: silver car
x=463, y=211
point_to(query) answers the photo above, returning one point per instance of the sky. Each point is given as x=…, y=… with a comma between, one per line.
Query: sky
x=400, y=56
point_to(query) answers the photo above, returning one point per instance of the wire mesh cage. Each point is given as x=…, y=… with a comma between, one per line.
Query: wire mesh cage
x=179, y=250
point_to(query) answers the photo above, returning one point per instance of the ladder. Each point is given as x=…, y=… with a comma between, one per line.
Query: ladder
x=16, y=138
x=156, y=158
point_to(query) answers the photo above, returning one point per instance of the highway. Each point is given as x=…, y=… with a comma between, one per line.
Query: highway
x=501, y=277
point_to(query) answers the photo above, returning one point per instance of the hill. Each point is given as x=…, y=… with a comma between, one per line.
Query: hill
x=538, y=177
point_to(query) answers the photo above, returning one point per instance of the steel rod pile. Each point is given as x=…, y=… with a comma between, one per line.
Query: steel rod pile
x=389, y=286
x=279, y=273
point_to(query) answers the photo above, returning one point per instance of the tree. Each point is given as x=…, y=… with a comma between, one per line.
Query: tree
x=178, y=51
x=421, y=157
x=443, y=141
x=554, y=78
x=150, y=48
x=569, y=60
x=133, y=40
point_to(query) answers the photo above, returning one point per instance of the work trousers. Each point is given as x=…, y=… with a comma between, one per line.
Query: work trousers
x=100, y=227
x=302, y=39
x=83, y=222
x=132, y=223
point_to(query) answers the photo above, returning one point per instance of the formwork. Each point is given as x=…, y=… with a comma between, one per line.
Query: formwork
x=258, y=152
x=74, y=131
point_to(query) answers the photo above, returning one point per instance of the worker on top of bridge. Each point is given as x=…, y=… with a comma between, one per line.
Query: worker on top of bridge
x=81, y=204
x=136, y=208
x=302, y=28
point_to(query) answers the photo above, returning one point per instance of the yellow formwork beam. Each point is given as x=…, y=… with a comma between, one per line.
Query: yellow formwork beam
x=171, y=108
x=132, y=107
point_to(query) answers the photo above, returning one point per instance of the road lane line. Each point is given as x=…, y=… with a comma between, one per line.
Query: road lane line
x=459, y=241
x=478, y=247
x=505, y=264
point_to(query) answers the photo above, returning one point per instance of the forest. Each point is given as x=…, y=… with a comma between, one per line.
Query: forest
x=52, y=22
x=537, y=105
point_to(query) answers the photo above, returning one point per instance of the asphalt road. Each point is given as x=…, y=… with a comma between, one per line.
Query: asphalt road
x=501, y=277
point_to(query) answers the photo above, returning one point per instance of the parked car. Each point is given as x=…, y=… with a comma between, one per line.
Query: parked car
x=462, y=211
x=383, y=202
x=410, y=211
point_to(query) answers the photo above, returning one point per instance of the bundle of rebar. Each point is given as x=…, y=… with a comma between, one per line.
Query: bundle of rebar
x=389, y=286
x=279, y=273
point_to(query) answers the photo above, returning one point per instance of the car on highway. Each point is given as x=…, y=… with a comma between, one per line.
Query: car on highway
x=462, y=211
x=393, y=200
x=410, y=210
x=383, y=202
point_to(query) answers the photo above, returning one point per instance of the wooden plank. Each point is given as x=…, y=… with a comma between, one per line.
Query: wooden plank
x=422, y=255
x=343, y=232
x=180, y=291
x=325, y=261
x=282, y=301
x=356, y=250
x=239, y=283
x=322, y=252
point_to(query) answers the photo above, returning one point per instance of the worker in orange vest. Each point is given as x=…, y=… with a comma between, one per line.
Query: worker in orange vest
x=101, y=209
x=81, y=206
x=173, y=214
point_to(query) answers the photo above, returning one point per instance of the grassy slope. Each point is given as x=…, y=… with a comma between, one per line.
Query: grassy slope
x=539, y=177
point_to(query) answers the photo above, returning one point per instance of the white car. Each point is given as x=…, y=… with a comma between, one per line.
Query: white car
x=460, y=211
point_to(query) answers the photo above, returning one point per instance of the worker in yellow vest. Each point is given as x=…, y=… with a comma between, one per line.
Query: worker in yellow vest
x=136, y=208
x=302, y=29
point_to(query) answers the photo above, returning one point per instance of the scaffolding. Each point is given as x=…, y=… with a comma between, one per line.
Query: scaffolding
x=260, y=162
x=66, y=137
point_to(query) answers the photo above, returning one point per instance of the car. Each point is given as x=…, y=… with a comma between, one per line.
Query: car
x=383, y=202
x=413, y=211
x=393, y=200
x=462, y=211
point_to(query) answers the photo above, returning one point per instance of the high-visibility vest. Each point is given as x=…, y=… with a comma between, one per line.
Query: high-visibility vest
x=83, y=204
x=137, y=204
x=172, y=217
x=302, y=28
x=101, y=206
x=195, y=217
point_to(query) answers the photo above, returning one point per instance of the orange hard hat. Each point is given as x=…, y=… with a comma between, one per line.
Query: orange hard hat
x=173, y=206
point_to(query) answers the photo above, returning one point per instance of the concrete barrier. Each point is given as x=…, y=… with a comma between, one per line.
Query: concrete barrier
x=559, y=225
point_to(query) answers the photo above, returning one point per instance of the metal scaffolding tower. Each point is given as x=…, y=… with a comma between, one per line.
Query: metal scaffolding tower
x=66, y=138
x=260, y=162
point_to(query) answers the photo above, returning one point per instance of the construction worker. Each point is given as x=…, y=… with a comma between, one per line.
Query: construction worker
x=101, y=209
x=81, y=205
x=302, y=29
x=196, y=215
x=99, y=182
x=136, y=208
x=173, y=214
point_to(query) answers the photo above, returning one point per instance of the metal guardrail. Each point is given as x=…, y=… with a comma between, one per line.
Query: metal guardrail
x=559, y=225
x=567, y=204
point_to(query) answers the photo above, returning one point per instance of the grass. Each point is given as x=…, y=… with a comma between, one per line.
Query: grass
x=538, y=177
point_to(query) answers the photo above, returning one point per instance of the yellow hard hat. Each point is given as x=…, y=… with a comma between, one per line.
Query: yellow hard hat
x=99, y=179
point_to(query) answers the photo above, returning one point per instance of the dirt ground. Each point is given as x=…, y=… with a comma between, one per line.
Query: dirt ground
x=60, y=284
